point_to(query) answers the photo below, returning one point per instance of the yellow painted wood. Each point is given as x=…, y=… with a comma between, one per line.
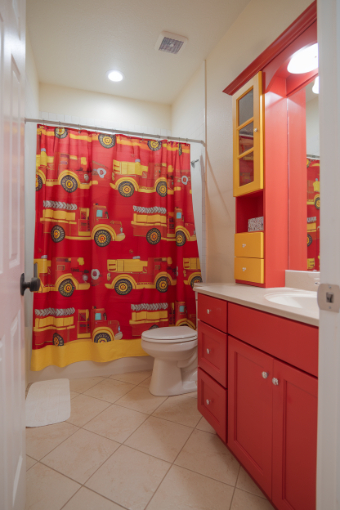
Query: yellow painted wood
x=249, y=269
x=258, y=124
x=249, y=244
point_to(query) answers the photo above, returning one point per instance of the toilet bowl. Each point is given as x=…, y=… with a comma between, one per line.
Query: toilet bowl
x=175, y=366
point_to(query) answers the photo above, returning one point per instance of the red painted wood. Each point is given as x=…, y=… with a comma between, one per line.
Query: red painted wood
x=248, y=206
x=276, y=186
x=215, y=412
x=307, y=18
x=290, y=341
x=297, y=180
x=277, y=68
x=213, y=311
x=294, y=439
x=212, y=352
x=250, y=410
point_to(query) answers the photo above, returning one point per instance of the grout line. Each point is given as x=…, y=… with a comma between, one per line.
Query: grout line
x=61, y=508
x=63, y=441
x=107, y=499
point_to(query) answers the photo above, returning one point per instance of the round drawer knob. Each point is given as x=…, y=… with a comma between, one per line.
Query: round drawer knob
x=207, y=402
x=244, y=268
x=244, y=245
x=208, y=311
x=275, y=381
x=208, y=351
x=264, y=375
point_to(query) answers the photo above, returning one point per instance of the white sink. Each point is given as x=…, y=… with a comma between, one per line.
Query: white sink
x=294, y=299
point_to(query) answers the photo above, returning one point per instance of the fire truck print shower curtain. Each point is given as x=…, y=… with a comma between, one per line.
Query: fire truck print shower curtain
x=115, y=244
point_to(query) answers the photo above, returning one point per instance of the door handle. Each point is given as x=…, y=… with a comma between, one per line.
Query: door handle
x=33, y=285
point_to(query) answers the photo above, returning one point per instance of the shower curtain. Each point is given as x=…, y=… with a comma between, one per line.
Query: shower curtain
x=115, y=244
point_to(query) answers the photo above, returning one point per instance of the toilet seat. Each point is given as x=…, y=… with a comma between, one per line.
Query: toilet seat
x=170, y=335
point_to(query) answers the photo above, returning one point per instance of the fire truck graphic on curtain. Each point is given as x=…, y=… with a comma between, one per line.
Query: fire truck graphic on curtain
x=61, y=326
x=157, y=315
x=155, y=224
x=68, y=221
x=65, y=275
x=154, y=273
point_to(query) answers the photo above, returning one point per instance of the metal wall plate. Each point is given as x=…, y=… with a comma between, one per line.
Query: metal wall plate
x=329, y=297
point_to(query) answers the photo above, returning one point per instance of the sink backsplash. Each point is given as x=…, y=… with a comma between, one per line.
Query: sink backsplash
x=305, y=280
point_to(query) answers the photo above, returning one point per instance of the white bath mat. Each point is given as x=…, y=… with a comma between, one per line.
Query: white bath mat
x=48, y=402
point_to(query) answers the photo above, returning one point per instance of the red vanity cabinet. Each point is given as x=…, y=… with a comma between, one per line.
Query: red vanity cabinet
x=212, y=362
x=259, y=392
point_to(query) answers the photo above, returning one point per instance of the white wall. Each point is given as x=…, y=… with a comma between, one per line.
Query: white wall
x=103, y=110
x=312, y=127
x=188, y=121
x=259, y=24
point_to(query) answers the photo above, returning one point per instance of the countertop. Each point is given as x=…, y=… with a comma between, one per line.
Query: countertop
x=254, y=297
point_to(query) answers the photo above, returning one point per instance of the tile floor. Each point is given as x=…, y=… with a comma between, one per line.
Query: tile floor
x=123, y=448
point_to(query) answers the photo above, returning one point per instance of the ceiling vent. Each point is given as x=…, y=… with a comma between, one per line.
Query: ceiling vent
x=170, y=43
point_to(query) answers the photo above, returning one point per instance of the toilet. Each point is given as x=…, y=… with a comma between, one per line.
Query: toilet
x=175, y=366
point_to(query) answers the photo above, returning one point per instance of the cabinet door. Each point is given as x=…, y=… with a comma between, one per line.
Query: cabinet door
x=294, y=438
x=248, y=137
x=212, y=352
x=250, y=374
x=212, y=403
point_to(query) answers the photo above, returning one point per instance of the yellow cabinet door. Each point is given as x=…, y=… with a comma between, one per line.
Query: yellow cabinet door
x=249, y=244
x=249, y=269
x=248, y=128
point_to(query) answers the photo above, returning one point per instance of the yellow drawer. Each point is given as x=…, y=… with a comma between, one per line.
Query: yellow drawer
x=249, y=269
x=249, y=244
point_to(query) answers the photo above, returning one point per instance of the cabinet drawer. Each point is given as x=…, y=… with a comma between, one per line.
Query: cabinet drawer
x=212, y=403
x=290, y=341
x=248, y=269
x=249, y=245
x=213, y=311
x=212, y=352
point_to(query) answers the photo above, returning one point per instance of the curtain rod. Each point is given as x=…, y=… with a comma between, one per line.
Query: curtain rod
x=108, y=130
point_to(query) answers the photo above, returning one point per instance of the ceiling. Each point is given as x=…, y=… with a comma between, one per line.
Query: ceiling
x=76, y=42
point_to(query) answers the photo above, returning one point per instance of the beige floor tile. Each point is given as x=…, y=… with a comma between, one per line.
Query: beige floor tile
x=81, y=455
x=140, y=399
x=245, y=483
x=193, y=394
x=204, y=425
x=109, y=390
x=133, y=377
x=181, y=409
x=129, y=478
x=160, y=438
x=29, y=462
x=73, y=394
x=245, y=501
x=206, y=454
x=116, y=423
x=184, y=490
x=41, y=440
x=88, y=500
x=146, y=383
x=81, y=385
x=46, y=489
x=84, y=409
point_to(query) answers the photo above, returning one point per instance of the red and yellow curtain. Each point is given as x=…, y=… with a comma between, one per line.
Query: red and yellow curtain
x=115, y=244
x=313, y=214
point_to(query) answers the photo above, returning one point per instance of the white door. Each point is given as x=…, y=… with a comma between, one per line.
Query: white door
x=12, y=346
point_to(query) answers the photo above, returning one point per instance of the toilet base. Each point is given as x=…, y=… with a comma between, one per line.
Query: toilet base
x=168, y=379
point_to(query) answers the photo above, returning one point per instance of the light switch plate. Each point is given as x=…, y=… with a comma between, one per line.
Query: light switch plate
x=329, y=297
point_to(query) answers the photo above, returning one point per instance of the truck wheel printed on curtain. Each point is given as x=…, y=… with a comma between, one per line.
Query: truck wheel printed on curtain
x=115, y=244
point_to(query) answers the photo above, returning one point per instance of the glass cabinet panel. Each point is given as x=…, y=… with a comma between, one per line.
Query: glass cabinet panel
x=248, y=137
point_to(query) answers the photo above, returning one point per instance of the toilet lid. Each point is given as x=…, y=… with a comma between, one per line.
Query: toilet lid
x=170, y=335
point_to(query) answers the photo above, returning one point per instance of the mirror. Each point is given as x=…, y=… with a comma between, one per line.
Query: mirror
x=313, y=179
x=304, y=176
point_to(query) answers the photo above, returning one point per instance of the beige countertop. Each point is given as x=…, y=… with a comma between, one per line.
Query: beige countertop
x=255, y=297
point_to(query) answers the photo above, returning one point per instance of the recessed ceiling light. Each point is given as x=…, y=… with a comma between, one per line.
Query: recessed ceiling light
x=305, y=60
x=316, y=86
x=115, y=76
